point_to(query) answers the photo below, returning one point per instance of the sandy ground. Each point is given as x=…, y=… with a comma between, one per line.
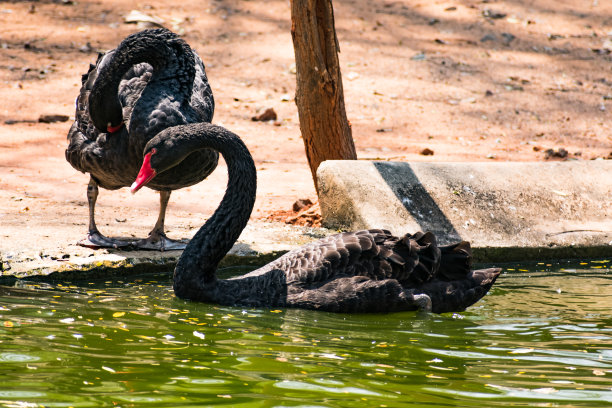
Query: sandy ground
x=437, y=81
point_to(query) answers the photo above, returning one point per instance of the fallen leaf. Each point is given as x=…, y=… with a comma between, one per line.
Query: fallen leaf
x=138, y=17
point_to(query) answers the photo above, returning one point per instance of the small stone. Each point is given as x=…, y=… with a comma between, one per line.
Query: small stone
x=427, y=152
x=488, y=37
x=508, y=38
x=553, y=37
x=551, y=154
x=86, y=48
x=267, y=115
x=53, y=118
x=302, y=203
x=488, y=13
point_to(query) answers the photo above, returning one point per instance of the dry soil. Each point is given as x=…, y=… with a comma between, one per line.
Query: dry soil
x=424, y=80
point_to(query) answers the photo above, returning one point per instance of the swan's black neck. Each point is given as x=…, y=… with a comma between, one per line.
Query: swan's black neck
x=172, y=61
x=194, y=276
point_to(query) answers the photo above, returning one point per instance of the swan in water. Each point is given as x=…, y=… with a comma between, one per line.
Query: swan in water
x=152, y=81
x=362, y=271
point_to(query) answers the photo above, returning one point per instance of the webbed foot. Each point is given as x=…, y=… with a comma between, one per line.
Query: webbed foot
x=95, y=240
x=159, y=243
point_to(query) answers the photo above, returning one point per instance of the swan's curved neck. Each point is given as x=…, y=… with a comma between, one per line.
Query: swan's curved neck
x=194, y=275
x=170, y=57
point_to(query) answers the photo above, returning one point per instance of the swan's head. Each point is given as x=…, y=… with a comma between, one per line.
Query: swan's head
x=160, y=154
x=106, y=116
x=104, y=108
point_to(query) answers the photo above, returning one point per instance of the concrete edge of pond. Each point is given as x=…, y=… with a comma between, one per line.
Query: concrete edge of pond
x=260, y=243
x=508, y=210
x=78, y=264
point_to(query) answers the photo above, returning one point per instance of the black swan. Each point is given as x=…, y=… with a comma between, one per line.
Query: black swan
x=153, y=80
x=363, y=271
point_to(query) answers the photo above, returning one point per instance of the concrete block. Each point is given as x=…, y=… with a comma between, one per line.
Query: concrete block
x=509, y=211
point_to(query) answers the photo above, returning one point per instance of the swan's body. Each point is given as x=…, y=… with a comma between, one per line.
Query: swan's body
x=153, y=80
x=363, y=271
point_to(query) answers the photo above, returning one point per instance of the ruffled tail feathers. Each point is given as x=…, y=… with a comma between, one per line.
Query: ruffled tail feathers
x=457, y=295
x=456, y=261
x=449, y=262
x=444, y=273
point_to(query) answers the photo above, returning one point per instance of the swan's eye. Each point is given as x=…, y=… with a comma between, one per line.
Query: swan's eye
x=153, y=150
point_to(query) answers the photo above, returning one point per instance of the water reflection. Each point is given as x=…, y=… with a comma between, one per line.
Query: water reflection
x=543, y=334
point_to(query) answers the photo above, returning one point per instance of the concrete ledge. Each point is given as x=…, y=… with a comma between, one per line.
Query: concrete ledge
x=259, y=243
x=509, y=211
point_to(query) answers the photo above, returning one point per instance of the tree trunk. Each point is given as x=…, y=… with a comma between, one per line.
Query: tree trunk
x=319, y=95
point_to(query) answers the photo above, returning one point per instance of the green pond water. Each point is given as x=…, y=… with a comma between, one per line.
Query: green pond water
x=542, y=337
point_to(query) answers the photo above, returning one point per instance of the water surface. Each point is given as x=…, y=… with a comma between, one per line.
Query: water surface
x=542, y=337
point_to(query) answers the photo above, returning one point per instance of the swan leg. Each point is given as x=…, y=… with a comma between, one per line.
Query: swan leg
x=157, y=240
x=94, y=238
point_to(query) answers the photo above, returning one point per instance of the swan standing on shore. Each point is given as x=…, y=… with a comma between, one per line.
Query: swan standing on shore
x=152, y=81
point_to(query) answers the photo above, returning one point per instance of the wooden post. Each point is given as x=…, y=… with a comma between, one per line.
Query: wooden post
x=319, y=95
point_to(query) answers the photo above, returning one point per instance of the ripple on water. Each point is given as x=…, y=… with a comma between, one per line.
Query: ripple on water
x=539, y=337
x=548, y=394
x=10, y=357
x=306, y=386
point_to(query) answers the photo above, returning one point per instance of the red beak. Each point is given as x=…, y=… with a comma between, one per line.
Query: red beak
x=145, y=175
x=114, y=129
